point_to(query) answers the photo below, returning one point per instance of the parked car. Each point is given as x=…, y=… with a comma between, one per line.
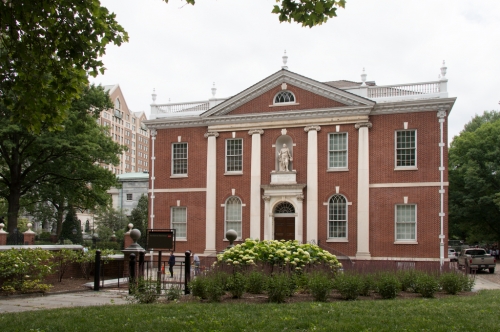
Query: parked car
x=452, y=255
x=476, y=259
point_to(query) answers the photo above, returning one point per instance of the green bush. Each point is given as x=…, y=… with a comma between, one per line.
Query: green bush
x=256, y=282
x=320, y=285
x=278, y=287
x=408, y=280
x=427, y=285
x=451, y=282
x=348, y=285
x=216, y=286
x=44, y=237
x=198, y=287
x=236, y=284
x=174, y=292
x=144, y=292
x=388, y=285
x=108, y=245
x=367, y=284
x=468, y=282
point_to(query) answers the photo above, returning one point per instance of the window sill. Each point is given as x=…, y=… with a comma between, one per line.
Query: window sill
x=181, y=240
x=283, y=104
x=405, y=242
x=337, y=240
x=178, y=176
x=339, y=169
x=234, y=173
x=237, y=240
x=406, y=168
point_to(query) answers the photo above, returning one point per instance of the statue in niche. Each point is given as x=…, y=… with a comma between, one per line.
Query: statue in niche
x=284, y=158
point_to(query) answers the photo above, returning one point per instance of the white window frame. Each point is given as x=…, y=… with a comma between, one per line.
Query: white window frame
x=294, y=102
x=396, y=222
x=396, y=166
x=173, y=223
x=174, y=159
x=227, y=156
x=346, y=220
x=240, y=221
x=330, y=150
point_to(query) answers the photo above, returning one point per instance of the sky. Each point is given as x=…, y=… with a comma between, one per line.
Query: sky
x=181, y=50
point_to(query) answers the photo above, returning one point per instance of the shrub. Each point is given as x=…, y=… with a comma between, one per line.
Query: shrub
x=63, y=259
x=144, y=292
x=256, y=282
x=278, y=287
x=216, y=286
x=348, y=285
x=451, y=282
x=236, y=284
x=427, y=285
x=408, y=280
x=174, y=292
x=388, y=285
x=468, y=282
x=198, y=287
x=108, y=245
x=320, y=285
x=367, y=284
x=45, y=237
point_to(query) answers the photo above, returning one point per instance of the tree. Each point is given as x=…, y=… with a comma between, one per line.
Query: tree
x=61, y=166
x=306, y=12
x=474, y=175
x=139, y=218
x=109, y=222
x=71, y=228
x=47, y=48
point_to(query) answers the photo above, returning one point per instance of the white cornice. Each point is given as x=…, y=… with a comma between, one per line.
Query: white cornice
x=423, y=105
x=285, y=76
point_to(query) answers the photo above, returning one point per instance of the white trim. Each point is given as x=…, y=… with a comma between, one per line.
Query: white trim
x=406, y=168
x=340, y=169
x=178, y=176
x=330, y=168
x=406, y=259
x=226, y=172
x=241, y=215
x=284, y=104
x=408, y=184
x=336, y=239
x=404, y=241
x=412, y=167
x=172, y=160
x=172, y=222
x=234, y=173
x=178, y=190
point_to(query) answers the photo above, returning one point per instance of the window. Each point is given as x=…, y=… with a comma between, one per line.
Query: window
x=337, y=150
x=179, y=221
x=233, y=215
x=406, y=148
x=234, y=155
x=284, y=96
x=406, y=222
x=179, y=158
x=129, y=197
x=337, y=217
x=117, y=103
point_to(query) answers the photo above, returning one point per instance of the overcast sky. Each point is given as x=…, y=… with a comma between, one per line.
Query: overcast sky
x=180, y=50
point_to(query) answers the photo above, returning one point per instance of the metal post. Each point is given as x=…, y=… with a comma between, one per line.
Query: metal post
x=187, y=272
x=131, y=268
x=97, y=269
x=141, y=264
x=158, y=274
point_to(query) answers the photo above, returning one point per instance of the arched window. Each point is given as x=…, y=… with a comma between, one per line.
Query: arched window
x=284, y=207
x=233, y=215
x=284, y=96
x=117, y=104
x=337, y=217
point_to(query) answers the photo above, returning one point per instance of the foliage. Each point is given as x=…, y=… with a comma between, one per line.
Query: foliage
x=174, y=292
x=427, y=285
x=236, y=284
x=278, y=287
x=71, y=223
x=388, y=285
x=408, y=279
x=86, y=260
x=348, y=285
x=198, y=287
x=46, y=50
x=256, y=282
x=216, y=285
x=22, y=268
x=144, y=292
x=139, y=218
x=320, y=285
x=452, y=282
x=474, y=174
x=63, y=259
x=367, y=284
x=110, y=221
x=108, y=245
x=283, y=254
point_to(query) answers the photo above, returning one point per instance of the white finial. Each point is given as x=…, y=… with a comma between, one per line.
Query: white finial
x=154, y=96
x=214, y=90
x=285, y=60
x=363, y=77
x=443, y=71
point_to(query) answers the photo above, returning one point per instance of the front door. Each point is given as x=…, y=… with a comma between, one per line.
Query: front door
x=284, y=228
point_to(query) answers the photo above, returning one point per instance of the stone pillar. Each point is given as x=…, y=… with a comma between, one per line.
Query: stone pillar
x=268, y=224
x=3, y=235
x=255, y=177
x=210, y=208
x=299, y=232
x=312, y=183
x=363, y=250
x=29, y=236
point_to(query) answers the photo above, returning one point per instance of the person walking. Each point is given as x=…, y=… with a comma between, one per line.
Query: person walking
x=171, y=263
x=196, y=261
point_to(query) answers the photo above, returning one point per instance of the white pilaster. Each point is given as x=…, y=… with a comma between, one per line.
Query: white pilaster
x=153, y=158
x=312, y=183
x=442, y=117
x=363, y=250
x=268, y=223
x=299, y=233
x=255, y=177
x=210, y=235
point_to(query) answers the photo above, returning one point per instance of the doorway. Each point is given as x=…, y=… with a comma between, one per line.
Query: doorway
x=284, y=228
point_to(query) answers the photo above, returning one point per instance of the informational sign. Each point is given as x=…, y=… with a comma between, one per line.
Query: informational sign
x=161, y=239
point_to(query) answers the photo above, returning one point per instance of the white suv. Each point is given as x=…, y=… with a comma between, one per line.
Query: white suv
x=452, y=255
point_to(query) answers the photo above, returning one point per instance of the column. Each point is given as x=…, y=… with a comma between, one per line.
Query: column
x=363, y=250
x=210, y=207
x=255, y=178
x=312, y=183
x=153, y=134
x=268, y=223
x=299, y=220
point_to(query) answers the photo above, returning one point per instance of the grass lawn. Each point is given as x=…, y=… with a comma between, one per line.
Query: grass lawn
x=470, y=313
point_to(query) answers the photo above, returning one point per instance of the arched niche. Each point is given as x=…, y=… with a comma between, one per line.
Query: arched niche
x=283, y=139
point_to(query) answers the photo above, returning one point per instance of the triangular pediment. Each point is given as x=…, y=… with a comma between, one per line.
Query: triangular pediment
x=325, y=93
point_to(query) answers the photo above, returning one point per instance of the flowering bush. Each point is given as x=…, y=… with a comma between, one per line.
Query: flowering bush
x=289, y=254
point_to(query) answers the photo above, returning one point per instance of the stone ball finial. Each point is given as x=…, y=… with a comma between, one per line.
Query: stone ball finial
x=231, y=235
x=130, y=226
x=29, y=225
x=135, y=234
x=2, y=225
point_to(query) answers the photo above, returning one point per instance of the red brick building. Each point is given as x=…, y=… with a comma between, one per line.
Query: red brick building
x=354, y=166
